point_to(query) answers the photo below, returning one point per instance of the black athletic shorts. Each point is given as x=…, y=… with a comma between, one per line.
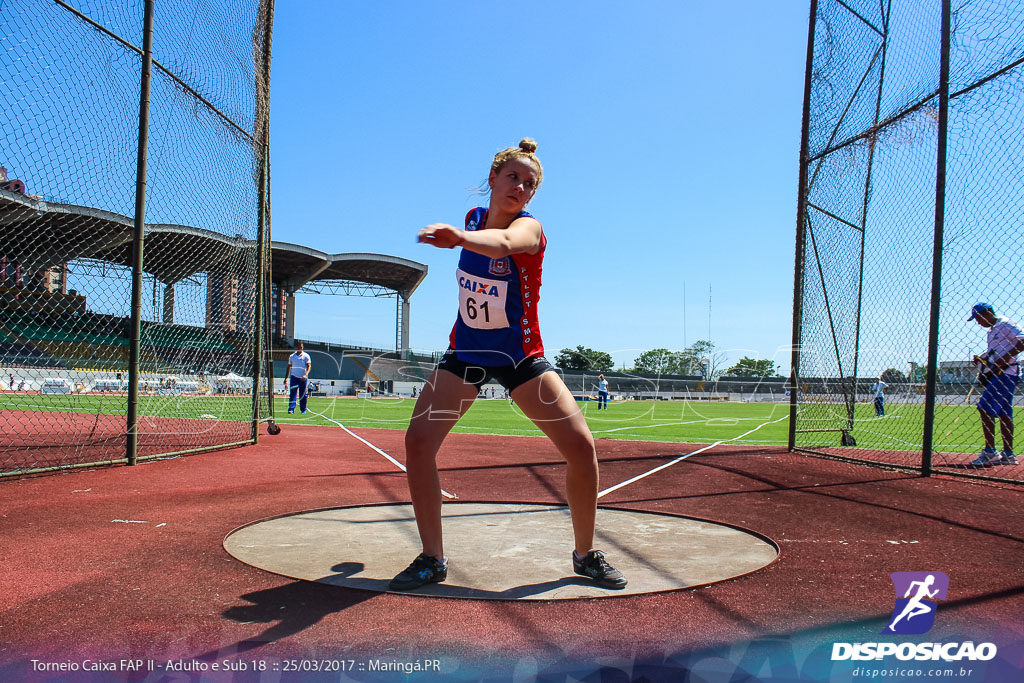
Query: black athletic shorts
x=509, y=376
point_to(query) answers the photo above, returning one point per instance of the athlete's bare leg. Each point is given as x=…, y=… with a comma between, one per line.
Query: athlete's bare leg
x=1006, y=425
x=547, y=401
x=444, y=399
x=988, y=429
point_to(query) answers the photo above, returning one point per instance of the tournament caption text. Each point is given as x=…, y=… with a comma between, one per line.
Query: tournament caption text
x=284, y=665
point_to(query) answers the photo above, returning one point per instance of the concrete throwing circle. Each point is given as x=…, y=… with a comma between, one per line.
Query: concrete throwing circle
x=499, y=551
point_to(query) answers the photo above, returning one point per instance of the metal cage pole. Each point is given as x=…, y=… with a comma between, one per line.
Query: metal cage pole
x=940, y=210
x=132, y=426
x=268, y=327
x=260, y=314
x=261, y=319
x=801, y=210
x=864, y=216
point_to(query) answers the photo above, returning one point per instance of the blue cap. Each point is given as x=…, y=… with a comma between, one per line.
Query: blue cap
x=978, y=308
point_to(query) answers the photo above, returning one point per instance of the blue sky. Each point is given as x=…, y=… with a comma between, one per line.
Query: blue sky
x=669, y=134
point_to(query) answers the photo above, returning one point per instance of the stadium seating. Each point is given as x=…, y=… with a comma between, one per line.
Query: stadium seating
x=17, y=354
x=101, y=342
x=184, y=336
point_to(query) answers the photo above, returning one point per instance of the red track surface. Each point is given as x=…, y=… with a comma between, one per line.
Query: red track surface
x=36, y=439
x=127, y=561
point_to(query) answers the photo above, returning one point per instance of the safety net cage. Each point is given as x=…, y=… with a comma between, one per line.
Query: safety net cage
x=134, y=229
x=911, y=211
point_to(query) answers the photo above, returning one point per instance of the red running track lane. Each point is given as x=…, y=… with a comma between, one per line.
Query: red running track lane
x=76, y=583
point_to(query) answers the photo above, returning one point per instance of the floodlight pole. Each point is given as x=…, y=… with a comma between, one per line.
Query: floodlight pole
x=931, y=380
x=801, y=210
x=132, y=426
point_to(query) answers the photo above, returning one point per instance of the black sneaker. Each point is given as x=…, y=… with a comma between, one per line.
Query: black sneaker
x=423, y=570
x=593, y=566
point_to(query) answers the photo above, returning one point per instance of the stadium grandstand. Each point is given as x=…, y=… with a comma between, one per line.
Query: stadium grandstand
x=36, y=303
x=65, y=331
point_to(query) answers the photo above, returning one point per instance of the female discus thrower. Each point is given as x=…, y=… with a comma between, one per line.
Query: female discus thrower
x=496, y=336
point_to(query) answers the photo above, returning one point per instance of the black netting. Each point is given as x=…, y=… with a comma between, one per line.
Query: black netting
x=71, y=89
x=868, y=229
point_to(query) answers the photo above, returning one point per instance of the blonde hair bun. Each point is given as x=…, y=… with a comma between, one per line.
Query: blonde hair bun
x=525, y=150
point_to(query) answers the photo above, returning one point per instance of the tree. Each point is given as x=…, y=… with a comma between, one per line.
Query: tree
x=583, y=358
x=657, y=362
x=748, y=367
x=892, y=376
x=697, y=359
x=701, y=359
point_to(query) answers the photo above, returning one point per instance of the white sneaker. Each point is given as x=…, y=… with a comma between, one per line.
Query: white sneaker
x=1007, y=458
x=988, y=457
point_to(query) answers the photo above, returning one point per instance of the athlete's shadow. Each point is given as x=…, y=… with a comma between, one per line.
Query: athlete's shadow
x=297, y=606
x=294, y=607
x=448, y=590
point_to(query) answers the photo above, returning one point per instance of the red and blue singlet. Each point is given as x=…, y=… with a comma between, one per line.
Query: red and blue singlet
x=497, y=320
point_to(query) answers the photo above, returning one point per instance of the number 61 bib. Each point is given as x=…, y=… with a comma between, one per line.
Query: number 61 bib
x=482, y=301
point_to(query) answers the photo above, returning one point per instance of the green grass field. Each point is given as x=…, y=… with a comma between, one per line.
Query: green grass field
x=957, y=427
x=632, y=420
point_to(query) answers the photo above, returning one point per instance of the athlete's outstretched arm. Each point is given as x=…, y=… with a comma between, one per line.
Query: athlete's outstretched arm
x=523, y=235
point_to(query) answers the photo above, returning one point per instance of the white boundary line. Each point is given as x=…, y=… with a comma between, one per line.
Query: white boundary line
x=359, y=438
x=707, y=420
x=684, y=457
x=651, y=426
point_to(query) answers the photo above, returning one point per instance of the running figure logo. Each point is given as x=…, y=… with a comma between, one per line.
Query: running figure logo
x=917, y=596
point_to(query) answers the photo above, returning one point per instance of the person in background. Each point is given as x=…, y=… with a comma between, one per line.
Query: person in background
x=878, y=388
x=299, y=365
x=998, y=373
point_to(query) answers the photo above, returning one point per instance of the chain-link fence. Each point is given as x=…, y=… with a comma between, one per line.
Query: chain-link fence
x=81, y=170
x=911, y=211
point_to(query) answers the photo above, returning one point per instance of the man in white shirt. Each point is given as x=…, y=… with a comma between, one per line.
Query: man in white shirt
x=602, y=392
x=299, y=365
x=879, y=388
x=998, y=365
